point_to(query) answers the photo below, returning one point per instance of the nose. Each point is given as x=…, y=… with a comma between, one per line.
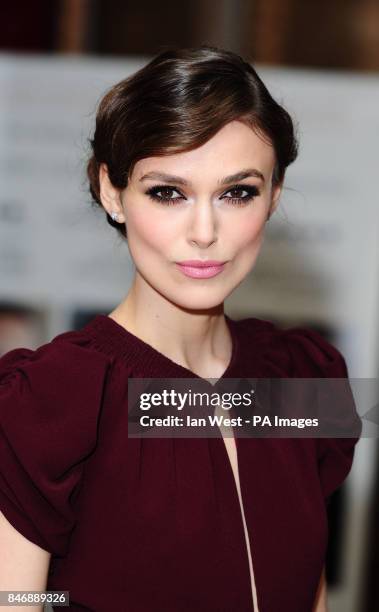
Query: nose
x=203, y=224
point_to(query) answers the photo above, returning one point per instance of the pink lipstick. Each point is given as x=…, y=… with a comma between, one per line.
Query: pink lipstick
x=201, y=269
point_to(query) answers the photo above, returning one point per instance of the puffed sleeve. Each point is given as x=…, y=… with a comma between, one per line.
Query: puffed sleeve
x=50, y=402
x=314, y=357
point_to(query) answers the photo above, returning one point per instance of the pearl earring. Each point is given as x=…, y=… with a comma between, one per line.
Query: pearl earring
x=114, y=216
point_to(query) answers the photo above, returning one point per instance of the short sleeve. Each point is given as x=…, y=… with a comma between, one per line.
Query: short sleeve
x=313, y=356
x=50, y=402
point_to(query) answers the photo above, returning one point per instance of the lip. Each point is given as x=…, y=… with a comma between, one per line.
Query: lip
x=200, y=263
x=201, y=271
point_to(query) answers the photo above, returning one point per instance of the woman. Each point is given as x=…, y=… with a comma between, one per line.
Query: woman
x=188, y=161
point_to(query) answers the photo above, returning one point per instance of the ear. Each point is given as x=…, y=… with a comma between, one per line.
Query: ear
x=110, y=195
x=275, y=197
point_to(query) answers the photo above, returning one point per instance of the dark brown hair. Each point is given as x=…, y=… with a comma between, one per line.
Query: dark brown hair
x=177, y=102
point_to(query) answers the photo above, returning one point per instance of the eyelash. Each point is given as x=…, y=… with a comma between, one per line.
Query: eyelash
x=252, y=192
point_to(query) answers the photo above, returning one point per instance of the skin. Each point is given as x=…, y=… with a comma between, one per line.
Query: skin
x=321, y=604
x=181, y=317
x=23, y=564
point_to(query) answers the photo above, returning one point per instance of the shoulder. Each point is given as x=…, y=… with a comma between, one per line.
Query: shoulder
x=50, y=404
x=59, y=383
x=298, y=351
x=302, y=352
x=70, y=355
x=51, y=393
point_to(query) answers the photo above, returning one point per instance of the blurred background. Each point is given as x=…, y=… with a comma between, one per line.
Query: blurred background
x=60, y=262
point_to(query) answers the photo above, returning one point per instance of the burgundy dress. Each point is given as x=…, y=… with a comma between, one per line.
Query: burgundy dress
x=155, y=525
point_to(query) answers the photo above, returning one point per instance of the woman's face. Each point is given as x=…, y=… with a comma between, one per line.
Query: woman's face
x=200, y=214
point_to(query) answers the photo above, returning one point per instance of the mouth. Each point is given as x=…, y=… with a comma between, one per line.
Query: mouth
x=200, y=269
x=201, y=263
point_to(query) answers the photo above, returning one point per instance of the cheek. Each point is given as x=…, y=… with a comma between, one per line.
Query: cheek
x=247, y=233
x=147, y=232
x=151, y=233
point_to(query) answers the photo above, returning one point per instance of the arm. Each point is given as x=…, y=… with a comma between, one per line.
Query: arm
x=321, y=604
x=23, y=565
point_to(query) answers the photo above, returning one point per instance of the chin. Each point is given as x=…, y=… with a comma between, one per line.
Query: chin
x=192, y=299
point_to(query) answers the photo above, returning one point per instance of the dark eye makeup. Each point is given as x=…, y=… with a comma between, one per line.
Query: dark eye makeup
x=251, y=192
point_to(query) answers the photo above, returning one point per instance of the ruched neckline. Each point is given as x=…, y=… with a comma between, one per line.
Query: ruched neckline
x=73, y=482
x=113, y=338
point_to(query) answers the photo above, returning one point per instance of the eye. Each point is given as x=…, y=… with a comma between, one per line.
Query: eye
x=250, y=190
x=165, y=189
x=251, y=193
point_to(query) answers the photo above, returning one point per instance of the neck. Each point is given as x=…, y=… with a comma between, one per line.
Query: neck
x=199, y=340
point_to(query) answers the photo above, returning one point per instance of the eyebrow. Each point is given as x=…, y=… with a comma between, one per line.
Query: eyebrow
x=238, y=176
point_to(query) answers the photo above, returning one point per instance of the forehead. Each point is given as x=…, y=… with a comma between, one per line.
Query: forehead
x=232, y=148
